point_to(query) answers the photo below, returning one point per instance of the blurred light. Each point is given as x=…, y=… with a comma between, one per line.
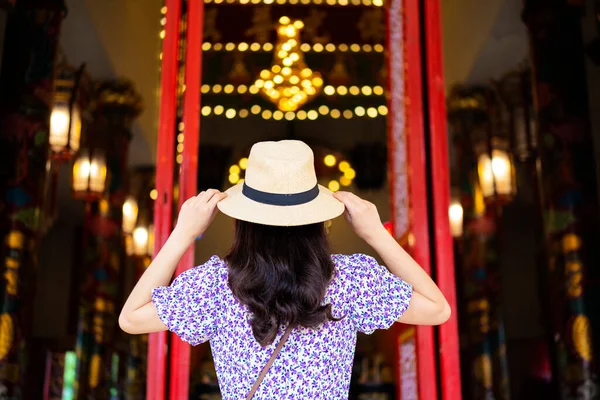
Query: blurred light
x=360, y=111
x=383, y=110
x=180, y=148
x=217, y=88
x=344, y=166
x=206, y=111
x=218, y=110
x=266, y=114
x=243, y=113
x=345, y=181
x=243, y=46
x=329, y=90
x=366, y=90
x=312, y=115
x=255, y=110
x=154, y=194
x=243, y=163
x=324, y=110
x=234, y=178
x=335, y=114
x=330, y=160
x=372, y=112
x=378, y=48
x=334, y=186
x=378, y=90
x=456, y=214
x=350, y=173
x=130, y=214
x=342, y=90
x=354, y=90
x=347, y=114
x=230, y=113
x=234, y=169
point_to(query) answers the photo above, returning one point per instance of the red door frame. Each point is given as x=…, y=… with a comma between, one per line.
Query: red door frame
x=410, y=14
x=156, y=381
x=405, y=72
x=448, y=345
x=188, y=173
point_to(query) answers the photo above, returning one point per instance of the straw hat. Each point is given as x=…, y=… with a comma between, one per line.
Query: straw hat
x=280, y=188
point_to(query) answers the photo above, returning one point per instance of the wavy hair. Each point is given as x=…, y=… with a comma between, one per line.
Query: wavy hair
x=281, y=274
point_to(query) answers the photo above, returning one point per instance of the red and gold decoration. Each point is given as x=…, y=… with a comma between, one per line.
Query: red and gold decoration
x=569, y=189
x=27, y=83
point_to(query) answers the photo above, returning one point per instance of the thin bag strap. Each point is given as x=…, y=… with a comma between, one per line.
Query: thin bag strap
x=270, y=362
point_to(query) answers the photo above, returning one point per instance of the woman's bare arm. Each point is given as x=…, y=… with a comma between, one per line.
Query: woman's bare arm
x=428, y=305
x=139, y=314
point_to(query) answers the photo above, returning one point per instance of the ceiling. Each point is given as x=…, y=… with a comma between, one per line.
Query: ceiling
x=119, y=38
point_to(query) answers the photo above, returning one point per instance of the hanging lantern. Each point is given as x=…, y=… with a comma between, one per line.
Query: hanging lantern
x=130, y=214
x=456, y=214
x=496, y=171
x=65, y=119
x=143, y=241
x=89, y=174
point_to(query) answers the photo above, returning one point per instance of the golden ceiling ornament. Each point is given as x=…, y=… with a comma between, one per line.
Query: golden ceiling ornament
x=289, y=84
x=119, y=94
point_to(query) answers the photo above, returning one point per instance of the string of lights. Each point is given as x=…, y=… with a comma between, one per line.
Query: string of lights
x=304, y=47
x=278, y=115
x=328, y=90
x=366, y=3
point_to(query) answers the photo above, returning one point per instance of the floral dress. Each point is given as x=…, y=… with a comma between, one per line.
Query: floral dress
x=314, y=363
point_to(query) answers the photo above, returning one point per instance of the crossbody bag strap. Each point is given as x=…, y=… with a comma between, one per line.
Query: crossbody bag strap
x=270, y=362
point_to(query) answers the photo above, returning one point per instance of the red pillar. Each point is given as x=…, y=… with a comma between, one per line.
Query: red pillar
x=448, y=346
x=188, y=176
x=165, y=161
x=406, y=128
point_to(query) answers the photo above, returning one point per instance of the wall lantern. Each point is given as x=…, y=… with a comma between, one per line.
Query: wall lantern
x=496, y=170
x=143, y=241
x=456, y=216
x=89, y=174
x=130, y=215
x=66, y=119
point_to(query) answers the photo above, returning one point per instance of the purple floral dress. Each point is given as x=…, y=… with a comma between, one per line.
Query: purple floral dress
x=314, y=363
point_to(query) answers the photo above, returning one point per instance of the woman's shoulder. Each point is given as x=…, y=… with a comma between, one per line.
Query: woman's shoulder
x=348, y=265
x=214, y=268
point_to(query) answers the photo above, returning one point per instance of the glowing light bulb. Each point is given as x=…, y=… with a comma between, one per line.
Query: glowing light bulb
x=330, y=160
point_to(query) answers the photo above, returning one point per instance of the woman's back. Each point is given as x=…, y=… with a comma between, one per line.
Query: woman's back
x=315, y=363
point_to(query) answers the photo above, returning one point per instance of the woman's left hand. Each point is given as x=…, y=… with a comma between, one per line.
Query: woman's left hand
x=198, y=212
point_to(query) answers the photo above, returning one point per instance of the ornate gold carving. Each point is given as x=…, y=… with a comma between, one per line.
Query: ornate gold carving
x=570, y=242
x=262, y=24
x=483, y=370
x=210, y=25
x=371, y=25
x=11, y=277
x=312, y=25
x=7, y=334
x=581, y=334
x=15, y=240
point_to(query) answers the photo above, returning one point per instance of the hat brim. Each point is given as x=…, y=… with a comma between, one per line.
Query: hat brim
x=323, y=208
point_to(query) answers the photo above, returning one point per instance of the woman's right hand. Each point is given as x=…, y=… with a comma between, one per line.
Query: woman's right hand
x=198, y=212
x=362, y=215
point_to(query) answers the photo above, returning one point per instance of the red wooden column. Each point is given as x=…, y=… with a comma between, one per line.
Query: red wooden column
x=408, y=168
x=165, y=161
x=180, y=351
x=448, y=347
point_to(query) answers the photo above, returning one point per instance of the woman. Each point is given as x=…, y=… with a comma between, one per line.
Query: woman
x=279, y=296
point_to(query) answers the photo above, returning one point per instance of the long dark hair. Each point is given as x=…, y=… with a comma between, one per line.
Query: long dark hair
x=281, y=274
